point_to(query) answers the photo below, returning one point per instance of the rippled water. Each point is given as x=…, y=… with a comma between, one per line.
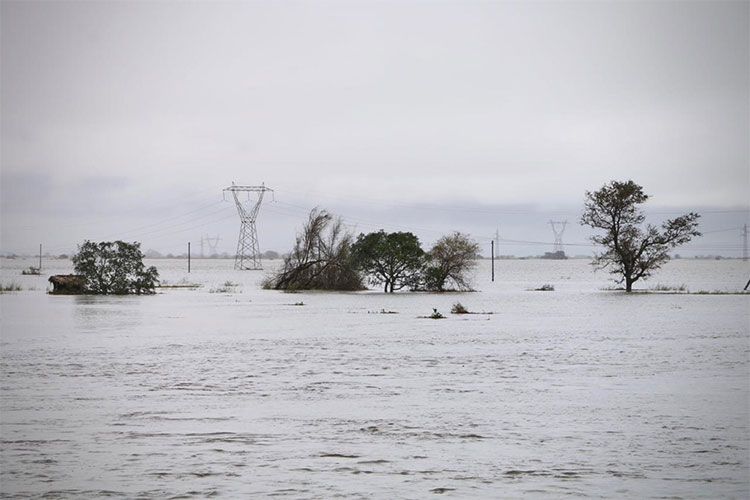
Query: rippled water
x=580, y=392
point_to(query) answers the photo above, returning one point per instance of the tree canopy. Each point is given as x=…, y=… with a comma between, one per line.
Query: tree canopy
x=631, y=252
x=114, y=268
x=327, y=257
x=450, y=262
x=391, y=259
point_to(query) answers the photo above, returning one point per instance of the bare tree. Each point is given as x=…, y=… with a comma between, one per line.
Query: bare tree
x=321, y=258
x=630, y=252
x=451, y=262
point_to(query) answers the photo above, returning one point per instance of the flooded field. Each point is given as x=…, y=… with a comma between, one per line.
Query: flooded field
x=227, y=390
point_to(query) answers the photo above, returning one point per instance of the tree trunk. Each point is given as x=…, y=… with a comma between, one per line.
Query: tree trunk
x=628, y=284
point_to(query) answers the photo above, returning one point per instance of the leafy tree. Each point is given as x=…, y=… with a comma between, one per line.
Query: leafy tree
x=114, y=268
x=632, y=253
x=451, y=261
x=321, y=258
x=392, y=259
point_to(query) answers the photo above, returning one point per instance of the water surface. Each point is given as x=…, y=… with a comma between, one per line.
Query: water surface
x=581, y=392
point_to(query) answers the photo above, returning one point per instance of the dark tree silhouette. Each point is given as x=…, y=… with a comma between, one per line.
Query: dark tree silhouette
x=394, y=260
x=630, y=252
x=114, y=268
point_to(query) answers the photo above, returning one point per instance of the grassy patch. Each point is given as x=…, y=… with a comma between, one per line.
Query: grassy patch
x=668, y=288
x=183, y=283
x=10, y=287
x=382, y=311
x=227, y=287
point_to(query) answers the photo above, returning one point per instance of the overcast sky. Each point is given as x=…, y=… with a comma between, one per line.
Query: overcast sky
x=128, y=118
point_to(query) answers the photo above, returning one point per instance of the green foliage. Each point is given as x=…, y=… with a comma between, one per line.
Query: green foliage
x=114, y=268
x=632, y=253
x=450, y=262
x=394, y=260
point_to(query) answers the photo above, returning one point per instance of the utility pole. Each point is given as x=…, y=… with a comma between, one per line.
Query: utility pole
x=40, y=252
x=492, y=252
x=248, y=250
x=188, y=256
x=744, y=243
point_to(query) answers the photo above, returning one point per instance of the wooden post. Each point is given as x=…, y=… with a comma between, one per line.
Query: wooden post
x=493, y=260
x=188, y=256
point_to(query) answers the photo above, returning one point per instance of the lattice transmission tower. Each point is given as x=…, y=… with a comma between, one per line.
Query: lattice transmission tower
x=212, y=244
x=248, y=250
x=558, y=234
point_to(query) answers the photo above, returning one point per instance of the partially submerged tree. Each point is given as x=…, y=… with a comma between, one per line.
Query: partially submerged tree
x=394, y=260
x=450, y=263
x=114, y=268
x=321, y=258
x=630, y=252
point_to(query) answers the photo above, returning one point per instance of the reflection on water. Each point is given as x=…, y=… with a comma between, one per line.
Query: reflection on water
x=99, y=314
x=192, y=393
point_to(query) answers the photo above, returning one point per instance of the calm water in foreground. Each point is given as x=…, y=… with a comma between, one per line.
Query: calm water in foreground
x=581, y=392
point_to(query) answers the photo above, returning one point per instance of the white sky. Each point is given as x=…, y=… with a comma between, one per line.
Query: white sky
x=117, y=115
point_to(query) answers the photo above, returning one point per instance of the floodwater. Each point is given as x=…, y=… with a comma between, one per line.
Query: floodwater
x=237, y=392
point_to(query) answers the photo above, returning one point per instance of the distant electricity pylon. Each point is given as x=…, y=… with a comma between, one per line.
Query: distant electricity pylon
x=211, y=242
x=558, y=234
x=248, y=250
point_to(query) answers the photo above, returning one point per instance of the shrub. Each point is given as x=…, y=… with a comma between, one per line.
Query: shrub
x=435, y=314
x=458, y=308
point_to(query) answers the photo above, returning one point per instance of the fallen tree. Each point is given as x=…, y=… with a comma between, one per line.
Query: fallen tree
x=320, y=260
